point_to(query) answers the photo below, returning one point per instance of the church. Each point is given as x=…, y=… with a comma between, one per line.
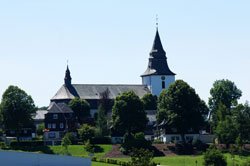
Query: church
x=157, y=77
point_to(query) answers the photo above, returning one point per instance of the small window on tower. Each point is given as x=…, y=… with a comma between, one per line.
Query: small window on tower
x=163, y=84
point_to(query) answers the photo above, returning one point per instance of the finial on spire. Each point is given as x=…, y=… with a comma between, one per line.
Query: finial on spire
x=156, y=20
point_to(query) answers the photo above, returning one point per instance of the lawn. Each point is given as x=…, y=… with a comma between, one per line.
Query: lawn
x=78, y=150
x=184, y=160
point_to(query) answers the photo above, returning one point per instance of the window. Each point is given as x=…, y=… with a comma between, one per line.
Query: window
x=61, y=125
x=189, y=138
x=175, y=138
x=163, y=84
x=53, y=125
x=12, y=132
x=25, y=131
x=52, y=135
x=49, y=125
x=55, y=116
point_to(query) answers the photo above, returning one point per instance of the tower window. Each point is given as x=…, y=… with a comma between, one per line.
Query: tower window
x=163, y=84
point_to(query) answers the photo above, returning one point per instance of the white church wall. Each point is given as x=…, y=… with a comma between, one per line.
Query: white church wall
x=154, y=82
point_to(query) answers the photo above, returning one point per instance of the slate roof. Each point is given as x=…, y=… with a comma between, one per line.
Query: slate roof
x=92, y=91
x=157, y=64
x=40, y=114
x=59, y=108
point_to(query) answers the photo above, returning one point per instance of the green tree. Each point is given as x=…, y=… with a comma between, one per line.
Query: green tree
x=101, y=125
x=128, y=115
x=86, y=132
x=81, y=109
x=223, y=92
x=241, y=120
x=150, y=101
x=40, y=129
x=213, y=157
x=226, y=131
x=181, y=108
x=65, y=143
x=17, y=109
x=141, y=157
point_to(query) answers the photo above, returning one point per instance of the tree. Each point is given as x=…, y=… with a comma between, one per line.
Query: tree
x=181, y=108
x=213, y=157
x=17, y=109
x=223, y=92
x=226, y=131
x=141, y=157
x=128, y=114
x=86, y=132
x=66, y=142
x=40, y=129
x=105, y=102
x=101, y=125
x=81, y=108
x=150, y=101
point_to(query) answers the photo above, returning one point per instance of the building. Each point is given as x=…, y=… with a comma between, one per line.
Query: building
x=157, y=77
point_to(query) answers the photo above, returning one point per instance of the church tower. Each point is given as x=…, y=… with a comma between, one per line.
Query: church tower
x=157, y=76
x=67, y=78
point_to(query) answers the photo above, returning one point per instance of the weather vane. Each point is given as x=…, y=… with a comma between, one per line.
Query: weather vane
x=67, y=62
x=156, y=21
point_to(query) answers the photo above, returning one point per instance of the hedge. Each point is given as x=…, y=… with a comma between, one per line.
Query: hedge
x=117, y=162
x=27, y=143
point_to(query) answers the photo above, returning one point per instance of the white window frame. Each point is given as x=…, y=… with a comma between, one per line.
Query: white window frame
x=61, y=125
x=55, y=116
x=53, y=125
x=49, y=125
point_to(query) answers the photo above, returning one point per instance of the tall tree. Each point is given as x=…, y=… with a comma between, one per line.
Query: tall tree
x=181, y=108
x=128, y=115
x=17, y=109
x=102, y=123
x=150, y=101
x=105, y=102
x=223, y=92
x=81, y=108
x=226, y=131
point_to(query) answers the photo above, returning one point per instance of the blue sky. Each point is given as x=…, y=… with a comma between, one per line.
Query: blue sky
x=109, y=42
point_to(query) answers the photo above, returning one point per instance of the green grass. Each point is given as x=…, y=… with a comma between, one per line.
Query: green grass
x=184, y=160
x=101, y=164
x=78, y=150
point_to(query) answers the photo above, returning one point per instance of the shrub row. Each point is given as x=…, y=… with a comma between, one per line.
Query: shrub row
x=27, y=143
x=117, y=162
x=101, y=140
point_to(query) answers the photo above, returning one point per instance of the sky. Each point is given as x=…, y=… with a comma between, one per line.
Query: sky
x=108, y=42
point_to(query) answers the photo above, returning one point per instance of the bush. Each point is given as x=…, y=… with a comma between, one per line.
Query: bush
x=89, y=147
x=27, y=143
x=2, y=144
x=101, y=140
x=86, y=132
x=247, y=163
x=71, y=137
x=213, y=157
x=158, y=141
x=141, y=157
x=134, y=141
x=40, y=129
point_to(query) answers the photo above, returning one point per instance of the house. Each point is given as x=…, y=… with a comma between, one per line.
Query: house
x=59, y=120
x=39, y=117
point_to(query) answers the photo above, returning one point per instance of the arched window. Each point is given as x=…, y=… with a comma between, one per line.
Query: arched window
x=163, y=84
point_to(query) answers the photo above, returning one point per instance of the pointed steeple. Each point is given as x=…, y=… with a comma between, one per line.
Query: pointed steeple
x=157, y=49
x=157, y=64
x=67, y=78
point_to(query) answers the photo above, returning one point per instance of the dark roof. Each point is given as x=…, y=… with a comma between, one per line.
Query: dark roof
x=59, y=108
x=40, y=114
x=92, y=91
x=157, y=64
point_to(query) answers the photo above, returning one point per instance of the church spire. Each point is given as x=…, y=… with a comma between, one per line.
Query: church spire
x=157, y=64
x=157, y=49
x=67, y=78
